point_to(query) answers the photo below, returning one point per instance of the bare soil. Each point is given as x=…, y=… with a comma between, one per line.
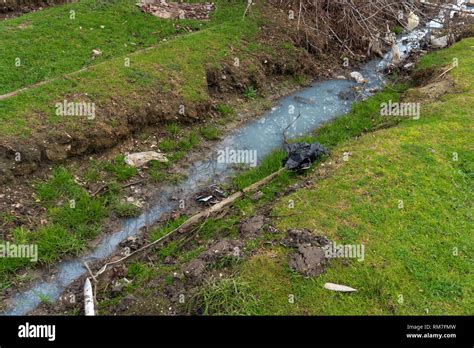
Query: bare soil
x=13, y=8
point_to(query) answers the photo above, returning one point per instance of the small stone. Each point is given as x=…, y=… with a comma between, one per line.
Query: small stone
x=357, y=76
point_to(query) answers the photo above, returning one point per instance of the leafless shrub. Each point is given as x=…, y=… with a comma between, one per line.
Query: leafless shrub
x=354, y=26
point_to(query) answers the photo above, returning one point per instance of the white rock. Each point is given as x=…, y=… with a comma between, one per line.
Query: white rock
x=96, y=53
x=396, y=55
x=413, y=21
x=357, y=76
x=139, y=159
x=337, y=287
x=439, y=42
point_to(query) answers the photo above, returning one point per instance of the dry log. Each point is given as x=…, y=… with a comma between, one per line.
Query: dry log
x=88, y=299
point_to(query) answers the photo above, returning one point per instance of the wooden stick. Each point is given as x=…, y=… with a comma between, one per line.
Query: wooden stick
x=90, y=272
x=103, y=187
x=445, y=72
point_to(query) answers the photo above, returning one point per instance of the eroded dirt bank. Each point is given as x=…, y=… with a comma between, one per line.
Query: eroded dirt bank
x=13, y=8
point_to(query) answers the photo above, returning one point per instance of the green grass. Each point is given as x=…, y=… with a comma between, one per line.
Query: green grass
x=52, y=241
x=223, y=297
x=139, y=271
x=168, y=145
x=269, y=165
x=181, y=59
x=250, y=93
x=126, y=210
x=173, y=128
x=167, y=228
x=120, y=170
x=63, y=44
x=210, y=132
x=397, y=29
x=418, y=260
x=186, y=143
x=226, y=111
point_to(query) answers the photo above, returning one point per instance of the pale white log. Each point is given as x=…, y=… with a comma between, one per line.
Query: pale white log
x=88, y=298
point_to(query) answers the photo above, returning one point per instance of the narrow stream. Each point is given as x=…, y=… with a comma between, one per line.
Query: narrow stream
x=317, y=104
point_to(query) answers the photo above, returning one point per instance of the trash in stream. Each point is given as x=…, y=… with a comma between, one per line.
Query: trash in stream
x=302, y=155
x=358, y=77
x=211, y=196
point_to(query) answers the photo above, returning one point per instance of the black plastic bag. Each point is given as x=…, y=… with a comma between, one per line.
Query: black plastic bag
x=302, y=155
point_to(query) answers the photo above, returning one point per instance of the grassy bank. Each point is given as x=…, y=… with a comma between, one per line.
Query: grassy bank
x=64, y=37
x=405, y=193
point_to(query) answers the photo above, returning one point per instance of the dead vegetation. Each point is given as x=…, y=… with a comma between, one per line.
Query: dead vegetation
x=356, y=27
x=163, y=9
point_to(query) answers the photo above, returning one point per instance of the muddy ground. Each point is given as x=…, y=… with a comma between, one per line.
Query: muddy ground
x=142, y=131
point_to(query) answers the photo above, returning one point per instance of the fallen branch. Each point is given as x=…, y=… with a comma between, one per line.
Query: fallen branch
x=445, y=72
x=105, y=187
x=285, y=131
x=196, y=218
x=248, y=7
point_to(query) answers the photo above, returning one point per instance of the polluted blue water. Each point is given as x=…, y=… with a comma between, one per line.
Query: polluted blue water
x=314, y=105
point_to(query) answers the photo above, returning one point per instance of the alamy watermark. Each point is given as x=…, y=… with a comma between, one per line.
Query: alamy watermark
x=23, y=251
x=231, y=156
x=350, y=251
x=400, y=109
x=67, y=108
